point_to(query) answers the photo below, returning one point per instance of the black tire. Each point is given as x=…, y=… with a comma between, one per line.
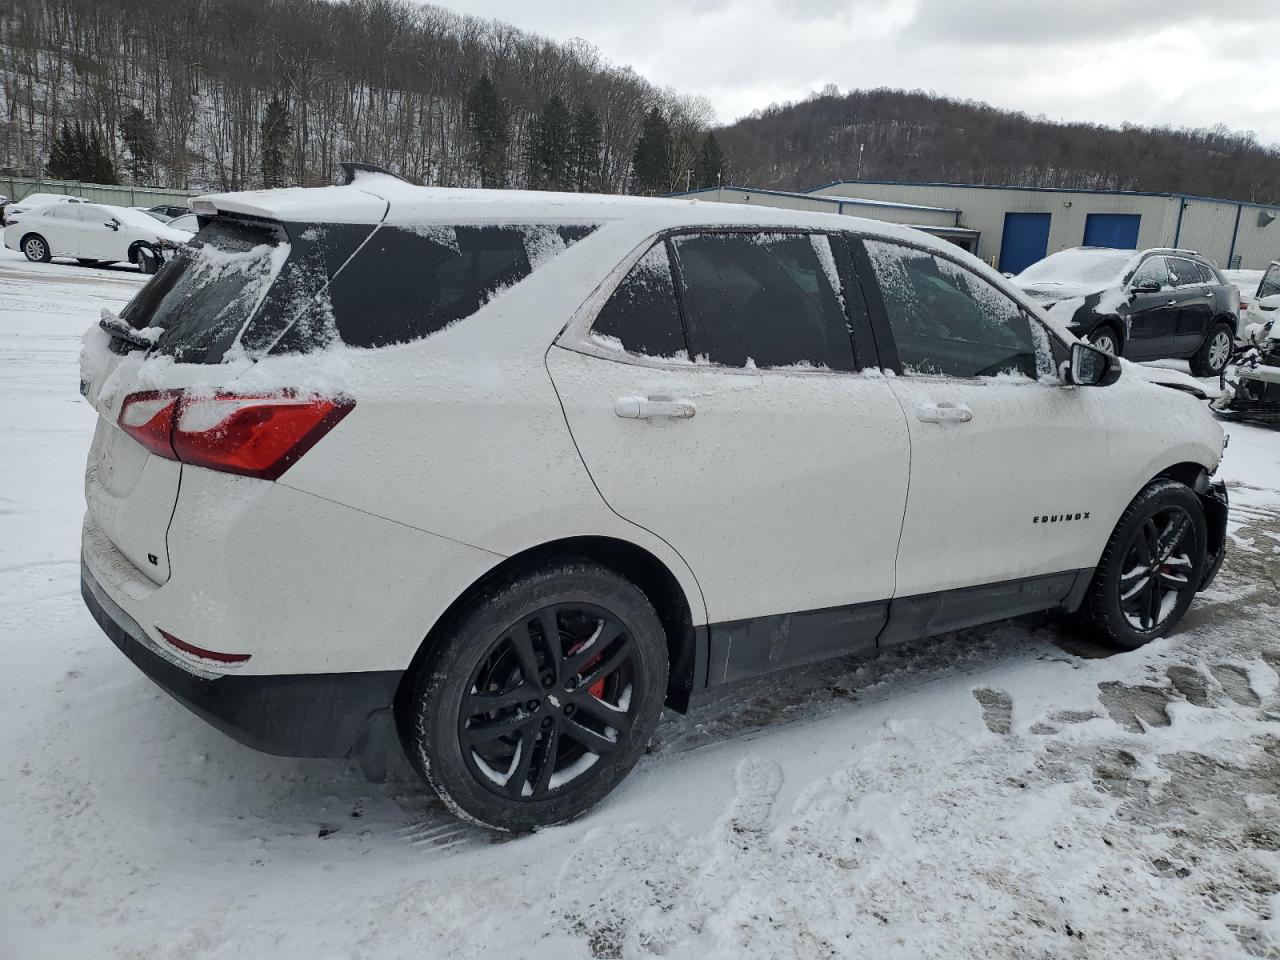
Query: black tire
x=36, y=248
x=1214, y=354
x=476, y=662
x=145, y=259
x=1131, y=609
x=1106, y=339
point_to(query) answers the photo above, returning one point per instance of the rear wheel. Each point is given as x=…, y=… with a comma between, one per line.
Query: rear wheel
x=538, y=698
x=1151, y=568
x=36, y=249
x=1211, y=359
x=1105, y=339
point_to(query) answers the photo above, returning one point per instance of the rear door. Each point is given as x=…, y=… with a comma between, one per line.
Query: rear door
x=1002, y=457
x=1194, y=293
x=1152, y=315
x=719, y=407
x=59, y=224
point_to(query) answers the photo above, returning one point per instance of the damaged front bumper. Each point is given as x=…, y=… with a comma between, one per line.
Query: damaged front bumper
x=1254, y=396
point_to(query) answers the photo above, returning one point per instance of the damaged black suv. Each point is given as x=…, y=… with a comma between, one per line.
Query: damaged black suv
x=1143, y=305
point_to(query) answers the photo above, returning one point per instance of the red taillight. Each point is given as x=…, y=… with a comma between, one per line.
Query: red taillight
x=148, y=418
x=252, y=436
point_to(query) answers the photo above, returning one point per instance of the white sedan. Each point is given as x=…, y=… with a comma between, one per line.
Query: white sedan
x=93, y=233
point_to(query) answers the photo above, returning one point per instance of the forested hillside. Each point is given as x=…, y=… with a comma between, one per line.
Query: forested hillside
x=921, y=136
x=232, y=93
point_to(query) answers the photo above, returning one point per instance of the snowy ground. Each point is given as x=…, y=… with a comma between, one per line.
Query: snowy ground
x=1011, y=791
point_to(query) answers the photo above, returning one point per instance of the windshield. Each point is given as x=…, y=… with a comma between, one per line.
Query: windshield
x=1083, y=267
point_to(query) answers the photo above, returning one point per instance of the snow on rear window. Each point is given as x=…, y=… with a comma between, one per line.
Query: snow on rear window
x=1098, y=268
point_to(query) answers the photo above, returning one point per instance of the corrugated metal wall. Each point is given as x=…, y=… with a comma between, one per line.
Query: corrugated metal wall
x=788, y=201
x=15, y=188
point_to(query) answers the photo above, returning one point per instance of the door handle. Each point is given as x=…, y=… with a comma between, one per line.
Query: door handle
x=943, y=412
x=1171, y=303
x=653, y=408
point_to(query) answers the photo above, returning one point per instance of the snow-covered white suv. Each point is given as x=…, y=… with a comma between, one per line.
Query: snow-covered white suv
x=512, y=470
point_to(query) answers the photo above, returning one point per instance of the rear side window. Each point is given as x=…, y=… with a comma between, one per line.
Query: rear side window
x=1183, y=272
x=642, y=315
x=948, y=321
x=767, y=299
x=1270, y=284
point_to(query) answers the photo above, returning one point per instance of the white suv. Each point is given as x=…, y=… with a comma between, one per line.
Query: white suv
x=513, y=470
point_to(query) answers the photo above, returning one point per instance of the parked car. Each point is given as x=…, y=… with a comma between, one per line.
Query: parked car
x=1144, y=306
x=1254, y=393
x=165, y=212
x=367, y=458
x=1263, y=302
x=33, y=201
x=94, y=234
x=187, y=223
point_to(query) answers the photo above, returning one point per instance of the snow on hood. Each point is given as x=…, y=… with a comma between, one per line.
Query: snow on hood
x=1167, y=377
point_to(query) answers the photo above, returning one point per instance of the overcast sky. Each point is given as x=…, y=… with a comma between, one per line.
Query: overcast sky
x=1182, y=62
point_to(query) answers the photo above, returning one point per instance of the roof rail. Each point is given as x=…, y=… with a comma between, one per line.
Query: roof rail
x=352, y=167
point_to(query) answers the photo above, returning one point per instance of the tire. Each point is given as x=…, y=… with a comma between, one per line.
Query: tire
x=1212, y=357
x=1107, y=340
x=145, y=259
x=554, y=715
x=36, y=249
x=1120, y=604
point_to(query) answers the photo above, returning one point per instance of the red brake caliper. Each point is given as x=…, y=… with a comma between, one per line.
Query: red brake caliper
x=597, y=688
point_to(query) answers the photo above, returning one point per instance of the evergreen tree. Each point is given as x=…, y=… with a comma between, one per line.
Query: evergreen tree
x=80, y=154
x=489, y=120
x=552, y=141
x=651, y=158
x=585, y=155
x=139, y=135
x=710, y=162
x=276, y=133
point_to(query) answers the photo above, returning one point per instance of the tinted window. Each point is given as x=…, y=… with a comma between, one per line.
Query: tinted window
x=1206, y=273
x=768, y=298
x=949, y=321
x=1270, y=284
x=1152, y=269
x=1182, y=272
x=410, y=282
x=642, y=314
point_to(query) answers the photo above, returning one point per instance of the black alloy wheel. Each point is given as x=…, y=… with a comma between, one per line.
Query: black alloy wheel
x=538, y=696
x=1152, y=566
x=548, y=700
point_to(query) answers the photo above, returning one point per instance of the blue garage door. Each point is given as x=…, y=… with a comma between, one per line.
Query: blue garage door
x=1119, y=230
x=1025, y=241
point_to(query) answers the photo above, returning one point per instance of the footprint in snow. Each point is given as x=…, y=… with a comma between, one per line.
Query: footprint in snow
x=758, y=781
x=997, y=709
x=1235, y=684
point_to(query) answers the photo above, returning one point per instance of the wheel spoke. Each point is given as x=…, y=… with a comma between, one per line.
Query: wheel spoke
x=551, y=634
x=621, y=654
x=1174, y=534
x=1153, y=604
x=605, y=634
x=610, y=715
x=528, y=743
x=1136, y=592
x=492, y=729
x=1173, y=581
x=1147, y=542
x=595, y=742
x=522, y=644
x=550, y=753
x=480, y=702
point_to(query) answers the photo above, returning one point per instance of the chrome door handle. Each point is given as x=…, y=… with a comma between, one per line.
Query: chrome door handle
x=944, y=412
x=1171, y=303
x=653, y=408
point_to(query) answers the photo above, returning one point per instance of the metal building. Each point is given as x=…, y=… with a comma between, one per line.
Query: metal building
x=1013, y=227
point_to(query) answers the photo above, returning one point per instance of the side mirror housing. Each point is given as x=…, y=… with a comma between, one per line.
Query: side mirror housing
x=112, y=224
x=1147, y=286
x=1269, y=303
x=1091, y=367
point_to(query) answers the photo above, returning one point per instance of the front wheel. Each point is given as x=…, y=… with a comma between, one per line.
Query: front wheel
x=539, y=697
x=1211, y=359
x=1104, y=339
x=36, y=249
x=145, y=259
x=1151, y=568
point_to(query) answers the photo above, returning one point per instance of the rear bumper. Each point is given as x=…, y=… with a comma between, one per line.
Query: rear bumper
x=295, y=715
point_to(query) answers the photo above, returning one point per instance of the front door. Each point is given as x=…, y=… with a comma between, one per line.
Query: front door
x=730, y=422
x=1002, y=457
x=1152, y=315
x=97, y=240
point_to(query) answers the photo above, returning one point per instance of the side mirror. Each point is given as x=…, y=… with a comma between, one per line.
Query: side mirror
x=112, y=224
x=1091, y=367
x=1147, y=286
x=1269, y=303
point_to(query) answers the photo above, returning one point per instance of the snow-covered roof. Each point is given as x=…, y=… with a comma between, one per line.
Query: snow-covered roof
x=373, y=198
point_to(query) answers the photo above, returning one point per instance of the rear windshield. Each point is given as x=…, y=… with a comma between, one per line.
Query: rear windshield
x=253, y=288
